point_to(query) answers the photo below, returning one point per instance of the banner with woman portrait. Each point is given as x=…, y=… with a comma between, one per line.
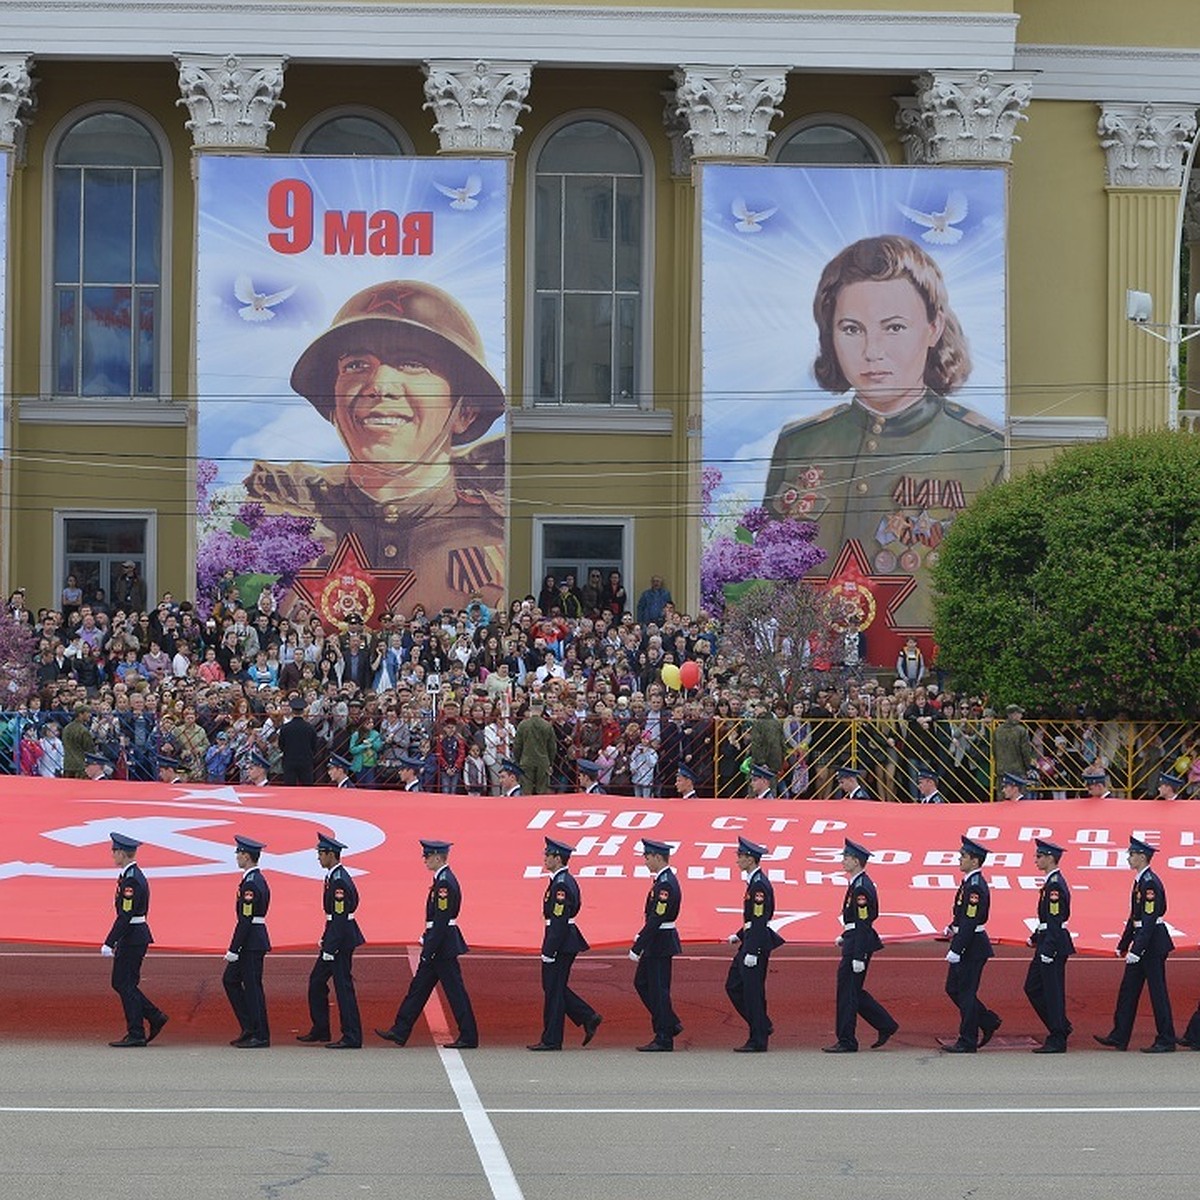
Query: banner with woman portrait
x=351, y=377
x=854, y=372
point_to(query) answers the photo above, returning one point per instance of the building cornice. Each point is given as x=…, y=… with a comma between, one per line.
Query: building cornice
x=1135, y=74
x=552, y=35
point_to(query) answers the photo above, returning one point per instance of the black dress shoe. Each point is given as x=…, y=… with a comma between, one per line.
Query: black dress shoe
x=590, y=1027
x=749, y=1048
x=253, y=1043
x=986, y=1035
x=677, y=1030
x=655, y=1048
x=460, y=1044
x=542, y=1046
x=958, y=1048
x=885, y=1035
x=1159, y=1048
x=1109, y=1041
x=127, y=1041
x=156, y=1026
x=342, y=1044
x=840, y=1048
x=241, y=1037
x=390, y=1035
x=311, y=1038
x=1049, y=1048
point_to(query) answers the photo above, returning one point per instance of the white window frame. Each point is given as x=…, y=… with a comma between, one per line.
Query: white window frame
x=161, y=408
x=537, y=567
x=850, y=124
x=377, y=115
x=609, y=418
x=149, y=515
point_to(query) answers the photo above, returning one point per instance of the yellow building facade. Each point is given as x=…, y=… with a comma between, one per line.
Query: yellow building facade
x=1094, y=121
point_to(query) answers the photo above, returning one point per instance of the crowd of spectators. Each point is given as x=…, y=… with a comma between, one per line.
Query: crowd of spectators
x=449, y=689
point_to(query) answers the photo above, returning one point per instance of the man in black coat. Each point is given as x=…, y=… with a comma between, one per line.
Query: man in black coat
x=298, y=743
x=860, y=909
x=1145, y=944
x=656, y=945
x=561, y=942
x=335, y=955
x=248, y=947
x=441, y=945
x=970, y=948
x=746, y=983
x=127, y=943
x=1045, y=981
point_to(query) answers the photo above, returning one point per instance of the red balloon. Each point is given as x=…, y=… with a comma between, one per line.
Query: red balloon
x=689, y=674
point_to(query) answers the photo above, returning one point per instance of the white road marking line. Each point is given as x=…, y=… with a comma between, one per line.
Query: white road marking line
x=496, y=1167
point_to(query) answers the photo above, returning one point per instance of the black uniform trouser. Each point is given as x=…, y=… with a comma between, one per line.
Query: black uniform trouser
x=1192, y=1032
x=298, y=776
x=854, y=1001
x=429, y=973
x=559, y=1002
x=341, y=971
x=746, y=988
x=962, y=986
x=1149, y=971
x=1046, y=987
x=126, y=976
x=652, y=982
x=243, y=983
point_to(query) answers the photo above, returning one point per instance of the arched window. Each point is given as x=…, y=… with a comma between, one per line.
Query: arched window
x=107, y=259
x=353, y=133
x=588, y=267
x=829, y=141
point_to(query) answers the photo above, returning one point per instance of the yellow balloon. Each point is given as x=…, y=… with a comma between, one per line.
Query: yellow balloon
x=670, y=676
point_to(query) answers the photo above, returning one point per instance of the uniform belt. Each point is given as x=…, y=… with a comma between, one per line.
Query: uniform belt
x=978, y=929
x=430, y=924
x=258, y=920
x=137, y=920
x=570, y=920
x=667, y=925
x=349, y=917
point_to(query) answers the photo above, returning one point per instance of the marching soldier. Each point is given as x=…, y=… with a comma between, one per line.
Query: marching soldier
x=1145, y=943
x=441, y=945
x=970, y=948
x=510, y=778
x=257, y=769
x=746, y=983
x=339, y=771
x=762, y=783
x=1012, y=787
x=168, y=770
x=849, y=781
x=248, y=947
x=589, y=777
x=561, y=942
x=1095, y=779
x=1045, y=981
x=656, y=945
x=927, y=787
x=685, y=782
x=410, y=772
x=335, y=959
x=126, y=945
x=96, y=766
x=860, y=908
x=1168, y=786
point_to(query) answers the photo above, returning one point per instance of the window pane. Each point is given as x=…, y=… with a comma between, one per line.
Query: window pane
x=149, y=227
x=109, y=139
x=106, y=341
x=629, y=235
x=588, y=543
x=625, y=356
x=66, y=226
x=826, y=144
x=587, y=350
x=593, y=147
x=588, y=232
x=108, y=535
x=107, y=226
x=65, y=338
x=545, y=338
x=146, y=340
x=352, y=135
x=547, y=224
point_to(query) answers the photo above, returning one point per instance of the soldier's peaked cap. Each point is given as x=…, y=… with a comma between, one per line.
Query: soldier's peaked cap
x=1051, y=848
x=325, y=842
x=122, y=841
x=860, y=852
x=745, y=846
x=1137, y=846
x=431, y=847
x=973, y=848
x=652, y=847
x=248, y=844
x=560, y=848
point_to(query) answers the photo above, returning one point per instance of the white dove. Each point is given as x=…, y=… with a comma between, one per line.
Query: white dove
x=749, y=221
x=462, y=198
x=940, y=229
x=258, y=304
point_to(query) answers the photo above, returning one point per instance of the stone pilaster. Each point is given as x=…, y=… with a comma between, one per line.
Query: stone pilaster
x=17, y=102
x=729, y=110
x=1191, y=241
x=476, y=103
x=963, y=116
x=230, y=98
x=1146, y=145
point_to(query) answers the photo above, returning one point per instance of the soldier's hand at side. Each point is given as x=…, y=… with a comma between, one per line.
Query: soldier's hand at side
x=231, y=956
x=733, y=939
x=1132, y=958
x=953, y=958
x=1045, y=958
x=326, y=956
x=751, y=960
x=106, y=951
x=548, y=958
x=858, y=966
x=634, y=955
x=837, y=941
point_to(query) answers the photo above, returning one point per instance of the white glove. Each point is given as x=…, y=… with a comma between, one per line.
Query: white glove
x=1132, y=958
x=858, y=966
x=1045, y=958
x=231, y=956
x=953, y=958
x=838, y=940
x=326, y=956
x=634, y=955
x=549, y=958
x=751, y=960
x=733, y=939
x=106, y=951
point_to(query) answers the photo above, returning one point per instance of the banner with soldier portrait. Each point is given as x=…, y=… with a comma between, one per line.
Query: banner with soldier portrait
x=351, y=379
x=854, y=376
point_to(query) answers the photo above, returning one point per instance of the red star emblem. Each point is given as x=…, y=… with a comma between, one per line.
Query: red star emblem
x=390, y=300
x=346, y=586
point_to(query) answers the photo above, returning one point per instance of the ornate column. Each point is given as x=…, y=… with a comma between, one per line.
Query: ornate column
x=17, y=102
x=1191, y=239
x=1145, y=147
x=476, y=104
x=963, y=116
x=729, y=110
x=230, y=98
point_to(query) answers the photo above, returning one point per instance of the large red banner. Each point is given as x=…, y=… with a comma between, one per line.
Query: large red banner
x=56, y=875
